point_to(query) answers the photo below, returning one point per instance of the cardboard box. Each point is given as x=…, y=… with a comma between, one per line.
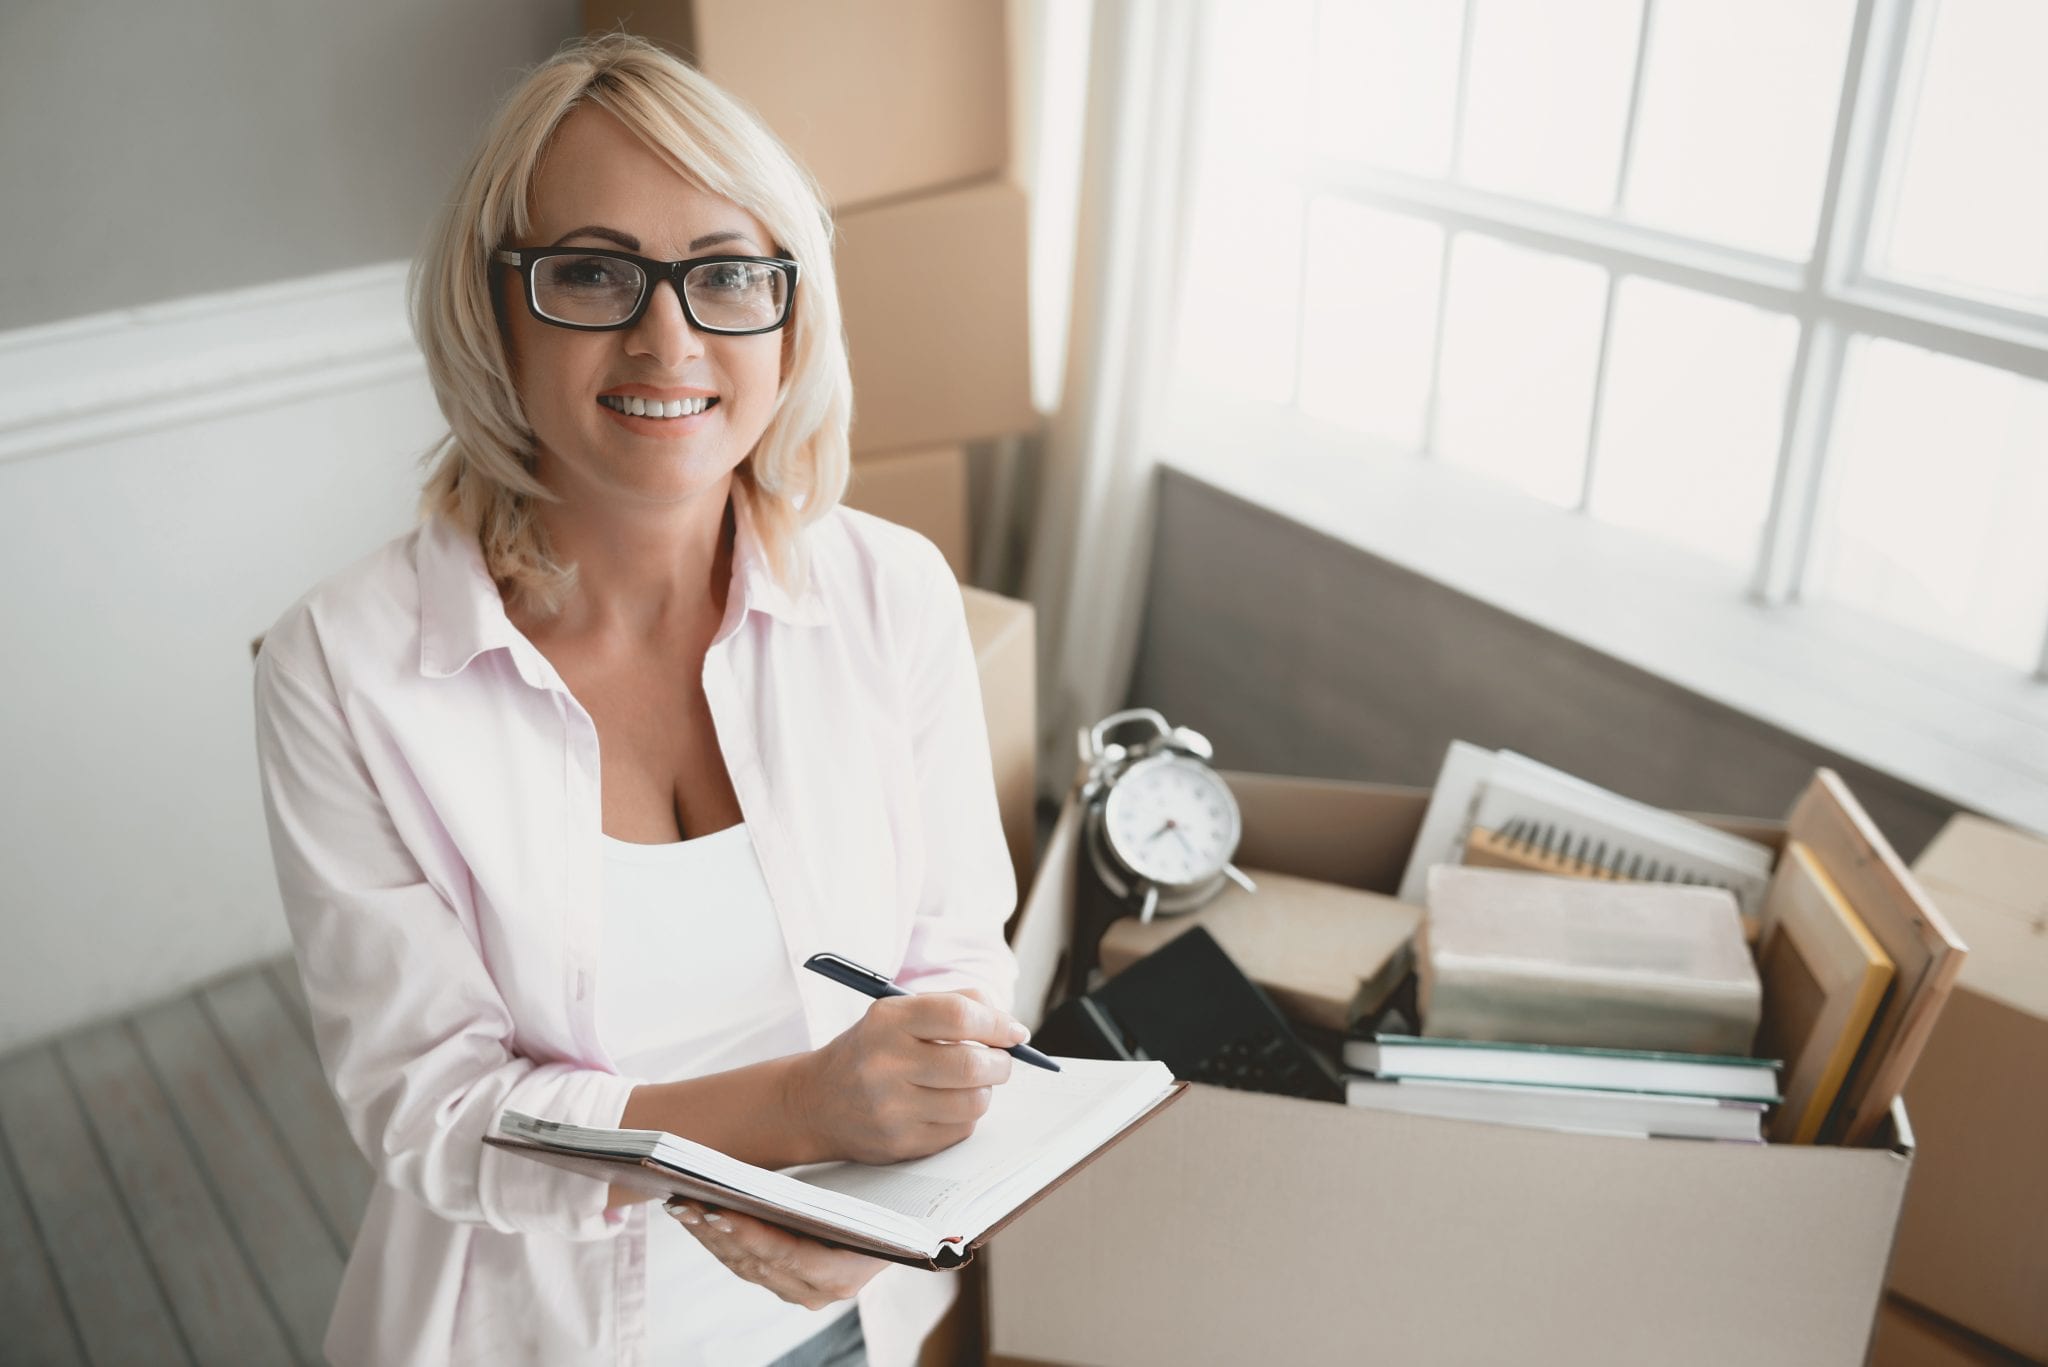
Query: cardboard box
x=925, y=491
x=1973, y=1242
x=1909, y=1337
x=938, y=322
x=881, y=99
x=1253, y=1228
x=1005, y=634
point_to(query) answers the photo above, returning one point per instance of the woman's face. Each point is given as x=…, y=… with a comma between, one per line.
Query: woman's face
x=599, y=186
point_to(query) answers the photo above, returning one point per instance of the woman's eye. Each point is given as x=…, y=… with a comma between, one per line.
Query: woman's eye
x=733, y=276
x=589, y=274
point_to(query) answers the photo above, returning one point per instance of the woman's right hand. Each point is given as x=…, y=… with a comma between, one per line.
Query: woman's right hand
x=911, y=1077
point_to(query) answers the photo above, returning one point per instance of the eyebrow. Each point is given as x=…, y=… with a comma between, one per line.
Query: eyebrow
x=632, y=243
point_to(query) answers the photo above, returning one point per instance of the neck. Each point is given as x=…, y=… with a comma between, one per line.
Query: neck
x=645, y=573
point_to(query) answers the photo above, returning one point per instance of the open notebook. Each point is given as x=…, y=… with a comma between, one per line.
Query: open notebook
x=929, y=1212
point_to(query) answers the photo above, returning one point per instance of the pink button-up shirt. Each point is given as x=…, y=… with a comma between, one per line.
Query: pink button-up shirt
x=431, y=786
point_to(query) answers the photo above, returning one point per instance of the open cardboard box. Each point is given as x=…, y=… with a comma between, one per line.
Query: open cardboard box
x=1252, y=1228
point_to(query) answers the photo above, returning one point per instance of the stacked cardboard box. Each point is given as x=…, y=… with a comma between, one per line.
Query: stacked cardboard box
x=1973, y=1242
x=901, y=108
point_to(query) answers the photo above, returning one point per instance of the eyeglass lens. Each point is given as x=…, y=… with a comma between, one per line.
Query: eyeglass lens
x=592, y=291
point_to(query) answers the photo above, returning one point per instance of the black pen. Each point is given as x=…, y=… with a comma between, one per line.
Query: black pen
x=868, y=981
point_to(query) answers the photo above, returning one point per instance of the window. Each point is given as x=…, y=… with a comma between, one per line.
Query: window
x=1766, y=282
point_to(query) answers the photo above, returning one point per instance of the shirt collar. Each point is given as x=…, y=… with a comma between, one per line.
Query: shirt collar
x=462, y=613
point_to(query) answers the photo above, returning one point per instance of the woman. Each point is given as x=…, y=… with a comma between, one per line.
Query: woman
x=778, y=693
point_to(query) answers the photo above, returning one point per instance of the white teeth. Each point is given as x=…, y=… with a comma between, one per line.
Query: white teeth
x=655, y=408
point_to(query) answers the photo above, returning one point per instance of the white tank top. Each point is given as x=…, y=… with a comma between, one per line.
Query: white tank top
x=695, y=980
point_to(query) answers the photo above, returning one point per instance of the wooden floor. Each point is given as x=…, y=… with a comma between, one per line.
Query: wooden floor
x=176, y=1186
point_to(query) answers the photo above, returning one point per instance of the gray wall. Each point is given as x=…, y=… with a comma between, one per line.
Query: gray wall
x=1298, y=654
x=159, y=148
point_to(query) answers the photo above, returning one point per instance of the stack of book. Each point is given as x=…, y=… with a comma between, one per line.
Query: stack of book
x=1588, y=962
x=1598, y=1091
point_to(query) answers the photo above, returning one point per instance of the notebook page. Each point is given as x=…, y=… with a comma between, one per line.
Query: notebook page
x=1038, y=1125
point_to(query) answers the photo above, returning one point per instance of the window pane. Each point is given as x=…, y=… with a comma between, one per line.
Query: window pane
x=1370, y=324
x=1547, y=98
x=1521, y=337
x=1970, y=206
x=1738, y=110
x=1240, y=307
x=1387, y=82
x=1690, y=418
x=1938, y=493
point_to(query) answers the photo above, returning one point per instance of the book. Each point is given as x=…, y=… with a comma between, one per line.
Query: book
x=932, y=1212
x=1587, y=825
x=1551, y=1065
x=1325, y=953
x=1823, y=977
x=1526, y=958
x=1926, y=953
x=1634, y=1114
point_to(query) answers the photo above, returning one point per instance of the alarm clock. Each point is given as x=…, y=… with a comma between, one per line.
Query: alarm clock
x=1160, y=824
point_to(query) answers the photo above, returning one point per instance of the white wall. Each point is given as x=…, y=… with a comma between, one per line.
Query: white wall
x=174, y=474
x=154, y=149
x=170, y=481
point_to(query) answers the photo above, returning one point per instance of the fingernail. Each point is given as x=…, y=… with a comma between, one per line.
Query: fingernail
x=688, y=1216
x=717, y=1221
x=1018, y=1034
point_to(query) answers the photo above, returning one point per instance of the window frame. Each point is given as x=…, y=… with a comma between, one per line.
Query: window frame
x=1831, y=296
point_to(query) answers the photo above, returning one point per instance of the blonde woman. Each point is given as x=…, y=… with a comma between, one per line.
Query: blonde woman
x=562, y=784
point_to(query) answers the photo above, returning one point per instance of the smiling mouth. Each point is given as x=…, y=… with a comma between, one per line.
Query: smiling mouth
x=655, y=408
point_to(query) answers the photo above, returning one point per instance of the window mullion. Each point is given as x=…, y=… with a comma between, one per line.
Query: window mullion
x=1787, y=537
x=1434, y=403
x=1635, y=105
x=1786, y=542
x=1863, y=128
x=1464, y=92
x=1599, y=390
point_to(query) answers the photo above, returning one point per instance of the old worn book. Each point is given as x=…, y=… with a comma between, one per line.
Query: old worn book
x=1824, y=975
x=1325, y=953
x=1531, y=959
x=932, y=1212
x=1926, y=953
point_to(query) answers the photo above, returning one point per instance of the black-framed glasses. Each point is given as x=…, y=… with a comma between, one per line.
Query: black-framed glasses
x=602, y=291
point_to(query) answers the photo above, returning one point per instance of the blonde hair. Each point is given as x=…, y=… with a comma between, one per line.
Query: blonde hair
x=482, y=478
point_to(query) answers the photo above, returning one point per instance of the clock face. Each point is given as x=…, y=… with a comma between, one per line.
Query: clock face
x=1172, y=820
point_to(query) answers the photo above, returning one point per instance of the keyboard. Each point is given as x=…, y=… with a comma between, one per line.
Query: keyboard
x=1189, y=1006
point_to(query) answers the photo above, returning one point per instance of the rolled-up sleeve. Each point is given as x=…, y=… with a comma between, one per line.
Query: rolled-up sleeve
x=415, y=1037
x=969, y=887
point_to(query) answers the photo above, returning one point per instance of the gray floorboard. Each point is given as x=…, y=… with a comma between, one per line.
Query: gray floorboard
x=267, y=1201
x=284, y=1073
x=284, y=973
x=39, y=1327
x=118, y=1305
x=206, y=1274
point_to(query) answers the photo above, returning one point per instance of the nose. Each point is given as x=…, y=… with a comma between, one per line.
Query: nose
x=664, y=332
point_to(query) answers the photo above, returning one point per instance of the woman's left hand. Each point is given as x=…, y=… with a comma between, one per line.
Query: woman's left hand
x=801, y=1271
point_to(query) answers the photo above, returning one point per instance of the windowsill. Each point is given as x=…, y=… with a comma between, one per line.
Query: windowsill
x=1934, y=716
